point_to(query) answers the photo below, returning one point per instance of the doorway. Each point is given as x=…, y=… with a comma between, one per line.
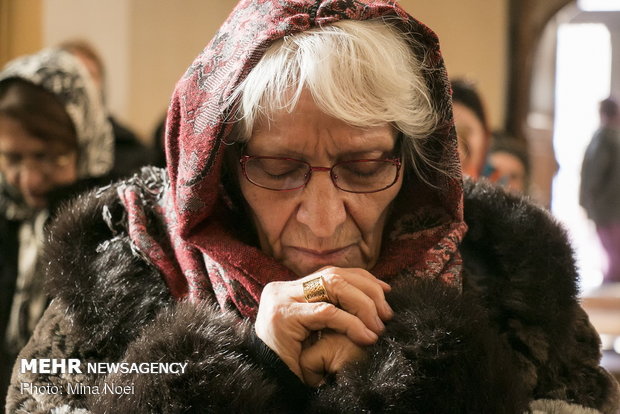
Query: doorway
x=583, y=79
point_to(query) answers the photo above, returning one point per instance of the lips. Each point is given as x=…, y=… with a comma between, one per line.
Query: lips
x=321, y=252
x=304, y=261
x=314, y=257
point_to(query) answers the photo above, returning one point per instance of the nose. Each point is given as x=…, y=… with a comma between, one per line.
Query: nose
x=322, y=208
x=31, y=180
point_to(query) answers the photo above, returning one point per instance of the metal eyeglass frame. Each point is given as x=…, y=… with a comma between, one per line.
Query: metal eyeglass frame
x=395, y=161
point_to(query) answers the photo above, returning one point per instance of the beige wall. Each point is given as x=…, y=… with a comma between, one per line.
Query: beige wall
x=147, y=44
x=166, y=37
x=107, y=26
x=474, y=36
x=20, y=28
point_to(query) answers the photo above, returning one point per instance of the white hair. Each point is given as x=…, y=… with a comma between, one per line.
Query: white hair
x=362, y=72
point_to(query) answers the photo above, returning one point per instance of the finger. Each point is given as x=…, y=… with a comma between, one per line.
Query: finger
x=326, y=356
x=338, y=283
x=332, y=278
x=360, y=272
x=364, y=273
x=353, y=300
x=282, y=343
x=372, y=310
x=313, y=377
x=322, y=315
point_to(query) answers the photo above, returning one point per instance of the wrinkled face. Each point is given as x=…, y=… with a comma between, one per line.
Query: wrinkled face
x=473, y=140
x=319, y=225
x=32, y=166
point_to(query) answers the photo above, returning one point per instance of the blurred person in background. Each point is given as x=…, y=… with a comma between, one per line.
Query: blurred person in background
x=55, y=141
x=130, y=154
x=472, y=128
x=508, y=164
x=599, y=191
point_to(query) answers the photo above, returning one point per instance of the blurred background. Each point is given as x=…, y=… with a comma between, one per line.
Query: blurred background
x=541, y=68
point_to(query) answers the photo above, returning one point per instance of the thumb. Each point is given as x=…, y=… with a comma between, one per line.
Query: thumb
x=327, y=356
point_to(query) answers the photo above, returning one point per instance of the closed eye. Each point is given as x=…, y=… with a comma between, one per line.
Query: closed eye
x=364, y=169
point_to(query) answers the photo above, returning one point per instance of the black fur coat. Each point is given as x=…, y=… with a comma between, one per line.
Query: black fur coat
x=514, y=341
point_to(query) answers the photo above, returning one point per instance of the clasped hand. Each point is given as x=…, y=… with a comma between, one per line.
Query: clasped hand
x=354, y=319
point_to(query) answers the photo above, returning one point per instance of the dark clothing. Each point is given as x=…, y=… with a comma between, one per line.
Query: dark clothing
x=159, y=138
x=600, y=177
x=9, y=250
x=8, y=273
x=516, y=335
x=129, y=153
x=600, y=194
x=8, y=268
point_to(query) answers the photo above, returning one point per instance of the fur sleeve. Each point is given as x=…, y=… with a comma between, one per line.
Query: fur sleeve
x=520, y=264
x=228, y=369
x=438, y=355
x=93, y=275
x=94, y=270
x=31, y=393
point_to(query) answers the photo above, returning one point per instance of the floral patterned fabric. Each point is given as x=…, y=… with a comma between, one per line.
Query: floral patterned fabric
x=202, y=254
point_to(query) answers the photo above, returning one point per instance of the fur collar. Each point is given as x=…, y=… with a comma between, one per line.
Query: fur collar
x=519, y=294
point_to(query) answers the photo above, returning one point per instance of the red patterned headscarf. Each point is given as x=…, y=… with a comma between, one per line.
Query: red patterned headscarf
x=202, y=256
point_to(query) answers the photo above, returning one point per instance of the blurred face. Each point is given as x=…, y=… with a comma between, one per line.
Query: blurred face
x=473, y=140
x=32, y=166
x=319, y=224
x=510, y=171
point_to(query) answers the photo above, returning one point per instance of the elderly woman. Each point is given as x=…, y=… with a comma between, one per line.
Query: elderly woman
x=307, y=249
x=54, y=139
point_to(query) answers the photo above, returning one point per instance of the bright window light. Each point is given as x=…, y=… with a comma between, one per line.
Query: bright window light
x=599, y=5
x=583, y=79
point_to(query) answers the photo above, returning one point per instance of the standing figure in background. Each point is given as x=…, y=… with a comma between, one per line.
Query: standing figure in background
x=600, y=185
x=55, y=140
x=472, y=128
x=129, y=153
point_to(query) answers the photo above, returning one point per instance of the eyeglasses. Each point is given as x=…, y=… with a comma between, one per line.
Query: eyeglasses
x=354, y=176
x=46, y=162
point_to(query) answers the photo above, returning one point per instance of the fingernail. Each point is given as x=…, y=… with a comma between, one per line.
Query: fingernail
x=388, y=309
x=371, y=335
x=380, y=324
x=385, y=285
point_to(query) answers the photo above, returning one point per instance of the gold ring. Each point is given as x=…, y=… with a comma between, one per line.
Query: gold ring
x=314, y=290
